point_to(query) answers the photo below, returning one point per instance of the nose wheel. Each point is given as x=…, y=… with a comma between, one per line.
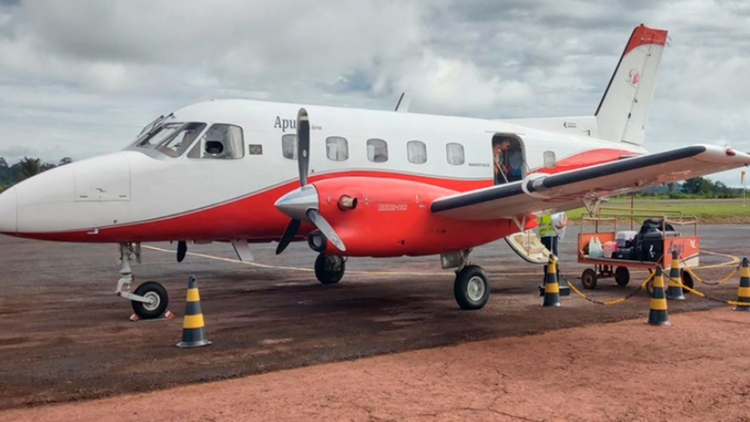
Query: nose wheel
x=329, y=269
x=156, y=302
x=150, y=299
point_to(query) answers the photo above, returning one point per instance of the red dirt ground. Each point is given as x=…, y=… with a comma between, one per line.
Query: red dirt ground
x=696, y=370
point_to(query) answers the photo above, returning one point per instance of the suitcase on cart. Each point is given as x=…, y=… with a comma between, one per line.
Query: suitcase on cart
x=624, y=253
x=651, y=245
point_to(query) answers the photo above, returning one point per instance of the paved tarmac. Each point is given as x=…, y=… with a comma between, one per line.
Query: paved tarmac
x=66, y=336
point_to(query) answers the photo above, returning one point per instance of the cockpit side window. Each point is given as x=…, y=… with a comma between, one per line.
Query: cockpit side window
x=177, y=144
x=171, y=139
x=158, y=135
x=221, y=141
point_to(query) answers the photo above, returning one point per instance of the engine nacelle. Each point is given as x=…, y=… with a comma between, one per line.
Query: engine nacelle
x=391, y=217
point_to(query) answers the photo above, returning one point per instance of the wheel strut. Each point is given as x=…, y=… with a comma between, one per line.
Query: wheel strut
x=150, y=299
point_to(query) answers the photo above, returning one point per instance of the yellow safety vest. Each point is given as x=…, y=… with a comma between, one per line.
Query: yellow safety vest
x=546, y=229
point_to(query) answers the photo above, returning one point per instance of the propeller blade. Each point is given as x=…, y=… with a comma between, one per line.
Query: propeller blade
x=181, y=250
x=325, y=228
x=289, y=233
x=303, y=145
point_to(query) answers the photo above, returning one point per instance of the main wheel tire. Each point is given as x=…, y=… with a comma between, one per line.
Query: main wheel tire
x=329, y=269
x=588, y=279
x=687, y=280
x=471, y=288
x=622, y=276
x=159, y=299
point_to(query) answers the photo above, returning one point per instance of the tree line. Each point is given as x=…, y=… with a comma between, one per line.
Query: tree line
x=697, y=187
x=25, y=168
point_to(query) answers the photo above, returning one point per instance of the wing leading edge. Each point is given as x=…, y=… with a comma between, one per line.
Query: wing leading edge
x=541, y=193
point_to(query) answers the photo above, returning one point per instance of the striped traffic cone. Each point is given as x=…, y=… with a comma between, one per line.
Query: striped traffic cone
x=743, y=293
x=658, y=313
x=551, y=286
x=674, y=291
x=193, y=326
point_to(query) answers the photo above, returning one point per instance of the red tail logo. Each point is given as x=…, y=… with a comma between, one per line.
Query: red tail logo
x=634, y=77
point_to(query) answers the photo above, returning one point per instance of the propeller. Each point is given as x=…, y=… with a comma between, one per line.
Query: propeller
x=302, y=204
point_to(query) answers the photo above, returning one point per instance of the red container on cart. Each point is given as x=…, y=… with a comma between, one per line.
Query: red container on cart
x=609, y=248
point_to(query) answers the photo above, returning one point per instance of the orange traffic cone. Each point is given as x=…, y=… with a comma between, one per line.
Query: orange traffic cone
x=551, y=286
x=674, y=291
x=193, y=326
x=658, y=313
x=743, y=293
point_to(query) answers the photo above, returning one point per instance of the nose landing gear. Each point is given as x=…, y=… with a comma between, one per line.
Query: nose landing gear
x=150, y=299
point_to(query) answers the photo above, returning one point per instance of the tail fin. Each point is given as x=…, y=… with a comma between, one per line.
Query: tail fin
x=623, y=110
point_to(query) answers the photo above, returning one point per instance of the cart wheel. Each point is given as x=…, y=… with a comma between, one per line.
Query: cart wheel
x=588, y=279
x=687, y=280
x=622, y=276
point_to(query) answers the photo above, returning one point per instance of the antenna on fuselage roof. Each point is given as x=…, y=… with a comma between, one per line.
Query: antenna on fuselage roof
x=403, y=103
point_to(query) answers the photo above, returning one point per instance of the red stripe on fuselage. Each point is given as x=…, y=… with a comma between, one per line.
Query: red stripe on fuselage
x=254, y=217
x=588, y=159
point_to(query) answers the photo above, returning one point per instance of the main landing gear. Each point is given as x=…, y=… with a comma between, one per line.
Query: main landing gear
x=150, y=299
x=329, y=269
x=471, y=287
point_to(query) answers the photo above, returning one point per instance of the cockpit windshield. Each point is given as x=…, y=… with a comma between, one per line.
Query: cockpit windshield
x=172, y=139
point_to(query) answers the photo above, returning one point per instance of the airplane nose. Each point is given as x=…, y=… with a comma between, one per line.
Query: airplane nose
x=9, y=211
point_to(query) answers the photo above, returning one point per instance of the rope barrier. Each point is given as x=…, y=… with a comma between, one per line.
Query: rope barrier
x=695, y=276
x=705, y=296
x=614, y=301
x=678, y=282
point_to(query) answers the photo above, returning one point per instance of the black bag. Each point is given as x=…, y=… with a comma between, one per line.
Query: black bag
x=624, y=253
x=649, y=242
x=651, y=246
x=654, y=224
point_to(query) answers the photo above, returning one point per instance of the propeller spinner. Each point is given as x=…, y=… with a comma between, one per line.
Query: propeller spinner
x=303, y=204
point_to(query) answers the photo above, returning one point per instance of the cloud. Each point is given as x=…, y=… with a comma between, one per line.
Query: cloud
x=84, y=76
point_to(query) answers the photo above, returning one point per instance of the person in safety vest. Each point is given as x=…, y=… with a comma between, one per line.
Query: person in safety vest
x=551, y=231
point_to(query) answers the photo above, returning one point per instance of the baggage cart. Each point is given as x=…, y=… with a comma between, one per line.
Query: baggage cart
x=659, y=245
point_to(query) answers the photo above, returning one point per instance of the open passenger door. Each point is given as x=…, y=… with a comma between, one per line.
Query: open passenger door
x=529, y=247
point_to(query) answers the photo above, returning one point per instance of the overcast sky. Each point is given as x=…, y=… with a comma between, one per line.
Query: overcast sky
x=80, y=78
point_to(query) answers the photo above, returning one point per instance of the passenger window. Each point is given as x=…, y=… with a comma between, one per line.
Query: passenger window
x=455, y=154
x=377, y=150
x=337, y=148
x=221, y=141
x=416, y=151
x=289, y=146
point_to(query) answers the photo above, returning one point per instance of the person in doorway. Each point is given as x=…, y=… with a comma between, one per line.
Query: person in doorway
x=515, y=164
x=551, y=232
x=500, y=148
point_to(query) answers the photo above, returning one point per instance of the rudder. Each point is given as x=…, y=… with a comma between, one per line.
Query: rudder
x=623, y=111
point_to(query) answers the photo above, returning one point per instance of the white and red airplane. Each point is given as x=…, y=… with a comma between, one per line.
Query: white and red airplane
x=354, y=182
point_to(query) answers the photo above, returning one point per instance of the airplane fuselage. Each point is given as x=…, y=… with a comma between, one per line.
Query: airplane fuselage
x=141, y=194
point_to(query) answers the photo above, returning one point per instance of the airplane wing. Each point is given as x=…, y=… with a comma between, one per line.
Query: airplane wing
x=543, y=193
